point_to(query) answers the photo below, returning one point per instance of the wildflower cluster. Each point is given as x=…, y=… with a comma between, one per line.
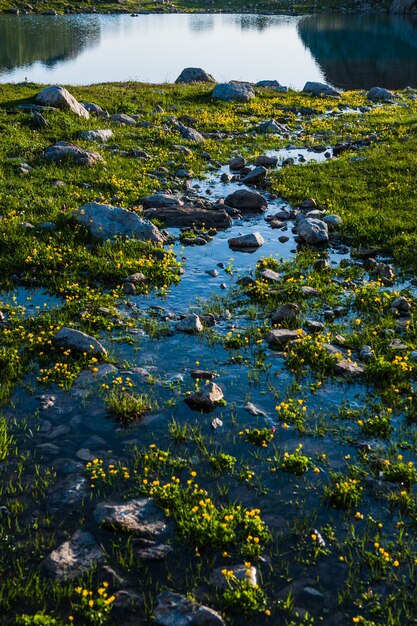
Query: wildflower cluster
x=94, y=607
x=258, y=436
x=344, y=493
x=295, y=462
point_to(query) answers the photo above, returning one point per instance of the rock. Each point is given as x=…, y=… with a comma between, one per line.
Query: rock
x=266, y=161
x=313, y=231
x=216, y=423
x=272, y=127
x=194, y=75
x=268, y=84
x=348, y=368
x=241, y=92
x=397, y=344
x=136, y=279
x=157, y=552
x=321, y=265
x=366, y=353
x=309, y=292
x=64, y=151
x=254, y=410
x=379, y=94
x=240, y=573
x=140, y=515
x=69, y=492
x=285, y=313
x=279, y=337
x=39, y=121
x=401, y=304
x=185, y=216
x=60, y=98
x=246, y=242
x=173, y=609
x=191, y=134
x=332, y=221
x=206, y=399
x=255, y=176
x=246, y=201
x=237, y=163
x=107, y=222
x=92, y=107
x=97, y=135
x=122, y=118
x=203, y=374
x=190, y=324
x=271, y=276
x=129, y=289
x=315, y=327
x=161, y=201
x=72, y=339
x=74, y=557
x=320, y=89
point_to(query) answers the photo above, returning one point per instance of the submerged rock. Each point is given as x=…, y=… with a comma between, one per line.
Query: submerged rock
x=184, y=216
x=107, y=222
x=60, y=98
x=173, y=609
x=74, y=557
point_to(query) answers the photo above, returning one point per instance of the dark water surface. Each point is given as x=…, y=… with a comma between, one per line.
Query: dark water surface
x=348, y=51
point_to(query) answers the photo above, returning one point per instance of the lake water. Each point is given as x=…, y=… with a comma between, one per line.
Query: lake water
x=348, y=51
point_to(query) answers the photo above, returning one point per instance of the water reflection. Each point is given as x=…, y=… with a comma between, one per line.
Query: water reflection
x=21, y=44
x=362, y=51
x=347, y=51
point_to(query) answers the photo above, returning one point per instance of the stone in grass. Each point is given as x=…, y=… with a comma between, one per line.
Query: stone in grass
x=280, y=337
x=285, y=313
x=380, y=94
x=206, y=399
x=140, y=516
x=79, y=342
x=247, y=242
x=240, y=92
x=349, y=368
x=60, y=98
x=101, y=135
x=313, y=231
x=320, y=89
x=74, y=557
x=123, y=119
x=174, y=609
x=107, y=222
x=191, y=324
x=63, y=151
x=240, y=573
x=271, y=276
x=195, y=75
x=155, y=552
x=191, y=134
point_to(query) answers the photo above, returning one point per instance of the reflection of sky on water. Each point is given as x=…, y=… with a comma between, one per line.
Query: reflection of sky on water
x=345, y=50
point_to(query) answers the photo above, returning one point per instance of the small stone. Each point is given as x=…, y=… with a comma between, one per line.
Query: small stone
x=216, y=423
x=206, y=399
x=242, y=573
x=254, y=410
x=271, y=276
x=191, y=324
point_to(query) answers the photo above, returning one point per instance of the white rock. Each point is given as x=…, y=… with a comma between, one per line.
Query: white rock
x=60, y=98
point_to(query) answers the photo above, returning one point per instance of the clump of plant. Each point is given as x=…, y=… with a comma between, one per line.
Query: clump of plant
x=93, y=607
x=222, y=462
x=400, y=472
x=128, y=406
x=39, y=619
x=258, y=436
x=292, y=412
x=378, y=425
x=296, y=462
x=243, y=596
x=344, y=492
x=6, y=440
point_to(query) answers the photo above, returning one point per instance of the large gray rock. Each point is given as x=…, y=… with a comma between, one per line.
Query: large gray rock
x=60, y=98
x=246, y=201
x=272, y=127
x=255, y=176
x=161, y=200
x=320, y=89
x=102, y=135
x=278, y=338
x=179, y=217
x=140, y=515
x=247, y=242
x=74, y=557
x=123, y=118
x=173, y=609
x=313, y=231
x=268, y=84
x=191, y=134
x=206, y=399
x=107, y=222
x=194, y=75
x=62, y=151
x=241, y=92
x=79, y=342
x=190, y=324
x=379, y=94
x=349, y=368
x=285, y=313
